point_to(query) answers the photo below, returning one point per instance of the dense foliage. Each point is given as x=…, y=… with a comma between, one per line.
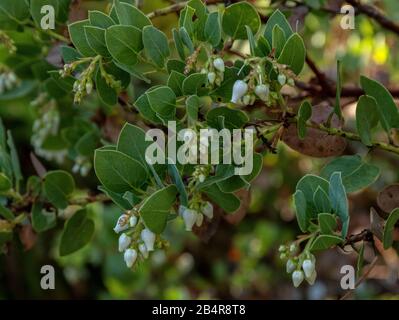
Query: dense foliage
x=107, y=74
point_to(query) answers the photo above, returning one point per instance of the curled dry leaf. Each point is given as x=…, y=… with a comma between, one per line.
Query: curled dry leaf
x=388, y=198
x=316, y=143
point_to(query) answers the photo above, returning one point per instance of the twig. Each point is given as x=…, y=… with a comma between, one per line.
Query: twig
x=175, y=8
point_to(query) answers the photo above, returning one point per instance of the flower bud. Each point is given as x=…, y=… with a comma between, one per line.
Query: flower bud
x=308, y=267
x=262, y=91
x=201, y=178
x=246, y=100
x=282, y=248
x=89, y=87
x=149, y=239
x=181, y=209
x=240, y=88
x=218, y=63
x=281, y=79
x=200, y=219
x=291, y=82
x=143, y=250
x=290, y=266
x=124, y=242
x=121, y=224
x=133, y=221
x=189, y=217
x=130, y=257
x=211, y=77
x=207, y=210
x=293, y=248
x=297, y=278
x=311, y=280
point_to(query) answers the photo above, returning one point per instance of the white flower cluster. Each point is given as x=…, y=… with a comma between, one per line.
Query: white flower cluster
x=302, y=266
x=44, y=126
x=8, y=81
x=135, y=239
x=193, y=216
x=215, y=71
x=82, y=165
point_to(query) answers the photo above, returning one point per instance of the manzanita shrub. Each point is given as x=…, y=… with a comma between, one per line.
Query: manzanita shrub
x=202, y=82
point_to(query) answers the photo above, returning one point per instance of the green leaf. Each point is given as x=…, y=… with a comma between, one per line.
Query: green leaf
x=15, y=10
x=132, y=142
x=321, y=200
x=78, y=231
x=388, y=112
x=356, y=174
x=327, y=223
x=308, y=185
x=277, y=18
x=389, y=228
x=337, y=107
x=100, y=19
x=223, y=172
x=186, y=39
x=117, y=171
x=6, y=213
x=5, y=183
x=177, y=180
x=58, y=186
x=227, y=201
x=124, y=43
x=324, y=242
x=15, y=164
x=263, y=47
x=96, y=39
x=78, y=38
x=175, y=82
x=278, y=40
x=178, y=44
x=155, y=209
x=304, y=114
x=42, y=219
x=237, y=182
x=339, y=201
x=213, y=30
x=366, y=118
x=162, y=100
x=175, y=65
x=107, y=94
x=70, y=54
x=237, y=16
x=156, y=45
x=233, y=119
x=142, y=104
x=129, y=15
x=301, y=210
x=192, y=107
x=193, y=83
x=293, y=54
x=251, y=40
x=186, y=19
x=117, y=198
